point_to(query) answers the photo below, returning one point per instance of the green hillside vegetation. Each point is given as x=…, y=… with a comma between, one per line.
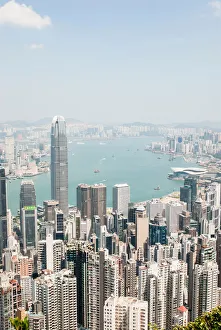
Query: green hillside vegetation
x=208, y=321
x=19, y=324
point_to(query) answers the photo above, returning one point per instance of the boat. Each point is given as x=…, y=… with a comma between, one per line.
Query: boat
x=80, y=142
x=147, y=148
x=157, y=188
x=96, y=171
x=158, y=157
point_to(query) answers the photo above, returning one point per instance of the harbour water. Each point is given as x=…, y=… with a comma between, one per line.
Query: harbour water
x=120, y=160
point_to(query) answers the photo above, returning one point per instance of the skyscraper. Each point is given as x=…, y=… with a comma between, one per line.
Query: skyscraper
x=59, y=224
x=125, y=313
x=172, y=211
x=50, y=254
x=10, y=299
x=205, y=288
x=142, y=228
x=158, y=230
x=185, y=196
x=193, y=183
x=77, y=254
x=163, y=285
x=59, y=163
x=10, y=149
x=27, y=194
x=121, y=198
x=98, y=201
x=130, y=278
x=28, y=214
x=3, y=211
x=58, y=294
x=49, y=207
x=103, y=281
x=84, y=200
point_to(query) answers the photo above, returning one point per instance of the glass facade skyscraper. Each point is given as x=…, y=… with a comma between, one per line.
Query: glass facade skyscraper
x=3, y=203
x=59, y=163
x=3, y=211
x=28, y=215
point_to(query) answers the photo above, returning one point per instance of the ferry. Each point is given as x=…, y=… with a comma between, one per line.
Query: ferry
x=157, y=188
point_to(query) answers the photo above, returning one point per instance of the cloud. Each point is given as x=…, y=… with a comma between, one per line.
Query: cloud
x=13, y=13
x=36, y=46
x=216, y=6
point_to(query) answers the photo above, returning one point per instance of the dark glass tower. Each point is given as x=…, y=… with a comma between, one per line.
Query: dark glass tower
x=3, y=211
x=3, y=202
x=185, y=196
x=193, y=183
x=84, y=200
x=158, y=230
x=59, y=163
x=28, y=215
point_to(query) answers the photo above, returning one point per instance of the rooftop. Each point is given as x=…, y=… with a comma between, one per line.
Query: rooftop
x=121, y=185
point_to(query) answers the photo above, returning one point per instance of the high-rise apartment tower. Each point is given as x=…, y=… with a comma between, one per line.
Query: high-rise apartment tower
x=121, y=198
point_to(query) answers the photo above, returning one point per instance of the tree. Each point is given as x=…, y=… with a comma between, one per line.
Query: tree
x=207, y=321
x=20, y=324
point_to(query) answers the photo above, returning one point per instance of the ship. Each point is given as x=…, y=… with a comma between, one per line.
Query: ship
x=157, y=188
x=96, y=171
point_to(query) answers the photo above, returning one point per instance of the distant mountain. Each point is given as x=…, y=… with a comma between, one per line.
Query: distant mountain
x=138, y=124
x=41, y=122
x=203, y=124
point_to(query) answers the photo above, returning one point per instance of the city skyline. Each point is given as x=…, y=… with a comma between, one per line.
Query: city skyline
x=141, y=61
x=99, y=267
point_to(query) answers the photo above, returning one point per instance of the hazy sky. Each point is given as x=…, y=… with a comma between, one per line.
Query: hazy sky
x=111, y=60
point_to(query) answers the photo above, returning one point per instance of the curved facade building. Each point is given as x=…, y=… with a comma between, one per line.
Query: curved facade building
x=59, y=163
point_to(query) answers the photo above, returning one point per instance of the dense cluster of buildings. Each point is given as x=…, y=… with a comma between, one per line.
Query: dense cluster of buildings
x=89, y=267
x=209, y=143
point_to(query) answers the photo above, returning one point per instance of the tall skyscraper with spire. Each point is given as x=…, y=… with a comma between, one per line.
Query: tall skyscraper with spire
x=59, y=163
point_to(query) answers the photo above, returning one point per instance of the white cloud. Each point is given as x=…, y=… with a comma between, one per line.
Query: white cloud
x=216, y=6
x=14, y=13
x=36, y=46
